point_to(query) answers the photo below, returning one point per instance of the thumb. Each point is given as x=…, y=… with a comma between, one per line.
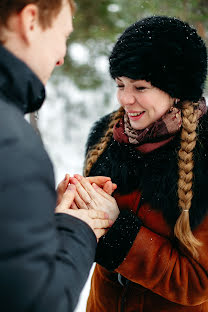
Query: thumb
x=68, y=197
x=62, y=186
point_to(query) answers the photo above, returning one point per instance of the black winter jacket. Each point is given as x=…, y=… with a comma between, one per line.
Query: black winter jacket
x=44, y=258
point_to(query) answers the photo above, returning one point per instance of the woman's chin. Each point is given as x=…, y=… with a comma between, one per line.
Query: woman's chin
x=138, y=125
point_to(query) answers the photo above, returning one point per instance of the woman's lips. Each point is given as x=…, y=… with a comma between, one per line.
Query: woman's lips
x=135, y=116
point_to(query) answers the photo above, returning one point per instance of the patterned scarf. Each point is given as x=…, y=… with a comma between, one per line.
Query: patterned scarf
x=156, y=135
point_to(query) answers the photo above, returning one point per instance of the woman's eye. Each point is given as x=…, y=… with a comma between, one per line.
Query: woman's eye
x=141, y=88
x=120, y=86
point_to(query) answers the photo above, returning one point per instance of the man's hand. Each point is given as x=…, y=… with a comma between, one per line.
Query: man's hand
x=97, y=220
x=62, y=186
x=66, y=198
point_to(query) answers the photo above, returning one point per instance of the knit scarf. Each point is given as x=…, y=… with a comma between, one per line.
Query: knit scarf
x=156, y=135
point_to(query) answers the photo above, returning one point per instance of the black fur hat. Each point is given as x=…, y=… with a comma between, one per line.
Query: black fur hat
x=164, y=51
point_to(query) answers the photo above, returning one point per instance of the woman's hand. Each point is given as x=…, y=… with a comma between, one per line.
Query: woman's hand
x=103, y=182
x=93, y=197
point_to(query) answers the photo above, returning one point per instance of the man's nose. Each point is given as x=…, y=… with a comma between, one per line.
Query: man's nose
x=60, y=62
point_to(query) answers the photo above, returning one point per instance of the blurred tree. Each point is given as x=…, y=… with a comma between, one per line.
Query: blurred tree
x=98, y=23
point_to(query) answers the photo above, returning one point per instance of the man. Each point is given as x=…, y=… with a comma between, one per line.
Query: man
x=44, y=258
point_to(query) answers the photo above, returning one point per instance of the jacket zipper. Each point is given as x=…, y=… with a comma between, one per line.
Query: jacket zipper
x=123, y=299
x=125, y=283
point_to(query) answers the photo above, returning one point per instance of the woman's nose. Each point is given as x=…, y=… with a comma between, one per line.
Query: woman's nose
x=128, y=98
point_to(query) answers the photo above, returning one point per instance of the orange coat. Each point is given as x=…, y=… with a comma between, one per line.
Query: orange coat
x=162, y=277
x=140, y=246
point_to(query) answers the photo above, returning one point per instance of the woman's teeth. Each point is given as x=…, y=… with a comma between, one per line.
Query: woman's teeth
x=135, y=114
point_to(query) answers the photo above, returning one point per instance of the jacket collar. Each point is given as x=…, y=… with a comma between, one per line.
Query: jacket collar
x=19, y=84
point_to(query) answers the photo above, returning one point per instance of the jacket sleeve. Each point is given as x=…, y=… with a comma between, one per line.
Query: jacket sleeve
x=152, y=261
x=44, y=258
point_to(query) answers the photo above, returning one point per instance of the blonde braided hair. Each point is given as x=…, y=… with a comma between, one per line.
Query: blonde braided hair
x=182, y=228
x=94, y=153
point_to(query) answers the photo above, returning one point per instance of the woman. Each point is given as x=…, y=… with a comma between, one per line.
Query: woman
x=155, y=148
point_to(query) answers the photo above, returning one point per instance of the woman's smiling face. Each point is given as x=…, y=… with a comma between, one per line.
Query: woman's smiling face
x=143, y=103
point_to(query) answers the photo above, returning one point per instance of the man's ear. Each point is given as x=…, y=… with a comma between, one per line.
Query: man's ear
x=28, y=21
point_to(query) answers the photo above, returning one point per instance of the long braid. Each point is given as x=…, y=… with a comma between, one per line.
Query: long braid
x=94, y=153
x=182, y=228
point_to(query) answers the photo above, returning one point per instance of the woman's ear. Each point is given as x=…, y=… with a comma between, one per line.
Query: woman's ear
x=28, y=22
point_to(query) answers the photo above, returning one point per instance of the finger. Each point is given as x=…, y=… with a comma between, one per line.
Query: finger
x=114, y=186
x=84, y=196
x=72, y=180
x=88, y=187
x=101, y=192
x=99, y=180
x=97, y=214
x=100, y=232
x=79, y=202
x=108, y=187
x=67, y=198
x=74, y=206
x=62, y=186
x=101, y=224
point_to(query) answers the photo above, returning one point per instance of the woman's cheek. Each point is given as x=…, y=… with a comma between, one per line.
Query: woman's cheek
x=119, y=98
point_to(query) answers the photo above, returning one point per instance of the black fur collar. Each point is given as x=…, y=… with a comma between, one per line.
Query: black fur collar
x=155, y=174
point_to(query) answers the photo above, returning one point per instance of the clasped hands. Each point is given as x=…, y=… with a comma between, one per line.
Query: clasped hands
x=90, y=200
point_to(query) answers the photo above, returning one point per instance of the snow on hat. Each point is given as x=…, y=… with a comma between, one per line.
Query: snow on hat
x=164, y=51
